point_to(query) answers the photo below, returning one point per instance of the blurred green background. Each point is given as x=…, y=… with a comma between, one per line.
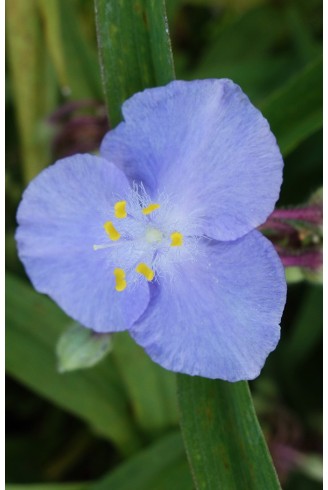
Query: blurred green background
x=118, y=422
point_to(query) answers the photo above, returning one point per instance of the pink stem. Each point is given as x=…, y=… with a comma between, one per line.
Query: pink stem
x=310, y=260
x=272, y=224
x=312, y=214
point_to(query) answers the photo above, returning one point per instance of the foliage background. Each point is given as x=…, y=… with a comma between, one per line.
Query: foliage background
x=118, y=422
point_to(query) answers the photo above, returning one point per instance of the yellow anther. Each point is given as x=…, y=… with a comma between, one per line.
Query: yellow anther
x=176, y=239
x=120, y=282
x=149, y=209
x=120, y=209
x=111, y=231
x=146, y=271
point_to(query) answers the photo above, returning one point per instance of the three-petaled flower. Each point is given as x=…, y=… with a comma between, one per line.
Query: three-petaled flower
x=157, y=235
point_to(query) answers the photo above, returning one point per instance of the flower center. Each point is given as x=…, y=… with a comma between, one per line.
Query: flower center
x=153, y=235
x=144, y=238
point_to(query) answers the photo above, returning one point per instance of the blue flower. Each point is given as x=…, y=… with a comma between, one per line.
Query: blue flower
x=157, y=235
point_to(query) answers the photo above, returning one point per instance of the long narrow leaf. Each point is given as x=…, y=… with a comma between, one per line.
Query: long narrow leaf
x=162, y=466
x=50, y=486
x=80, y=60
x=224, y=441
x=295, y=110
x=222, y=435
x=51, y=16
x=306, y=332
x=33, y=325
x=135, y=53
x=151, y=388
x=34, y=91
x=134, y=49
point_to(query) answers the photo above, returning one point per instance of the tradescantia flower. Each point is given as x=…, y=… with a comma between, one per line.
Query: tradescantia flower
x=157, y=235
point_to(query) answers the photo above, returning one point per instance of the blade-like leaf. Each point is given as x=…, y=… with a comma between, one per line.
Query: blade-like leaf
x=152, y=389
x=224, y=442
x=34, y=91
x=134, y=47
x=53, y=33
x=135, y=53
x=222, y=434
x=50, y=486
x=162, y=466
x=34, y=325
x=295, y=111
x=306, y=332
x=80, y=59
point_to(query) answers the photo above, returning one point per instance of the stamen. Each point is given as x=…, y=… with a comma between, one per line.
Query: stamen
x=120, y=282
x=120, y=209
x=149, y=209
x=111, y=231
x=101, y=247
x=146, y=271
x=176, y=239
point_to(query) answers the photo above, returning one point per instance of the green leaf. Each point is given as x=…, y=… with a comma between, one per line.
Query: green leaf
x=96, y=395
x=134, y=48
x=222, y=435
x=295, y=110
x=224, y=442
x=159, y=466
x=50, y=486
x=306, y=332
x=135, y=53
x=80, y=59
x=50, y=13
x=257, y=67
x=312, y=466
x=300, y=29
x=152, y=389
x=298, y=274
x=162, y=466
x=33, y=89
x=79, y=347
x=294, y=275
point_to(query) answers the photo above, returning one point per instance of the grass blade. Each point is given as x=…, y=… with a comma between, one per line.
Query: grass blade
x=162, y=466
x=152, y=389
x=295, y=110
x=34, y=92
x=96, y=395
x=134, y=48
x=224, y=442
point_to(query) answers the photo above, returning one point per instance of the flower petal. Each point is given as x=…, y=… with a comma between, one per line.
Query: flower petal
x=219, y=317
x=206, y=145
x=60, y=218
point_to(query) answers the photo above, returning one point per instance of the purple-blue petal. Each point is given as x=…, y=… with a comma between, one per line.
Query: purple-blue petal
x=219, y=317
x=205, y=145
x=60, y=218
